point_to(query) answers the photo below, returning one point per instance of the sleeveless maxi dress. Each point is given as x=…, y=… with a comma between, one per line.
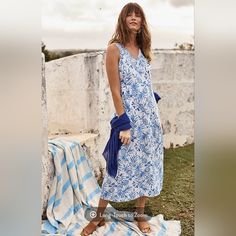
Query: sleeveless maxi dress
x=140, y=163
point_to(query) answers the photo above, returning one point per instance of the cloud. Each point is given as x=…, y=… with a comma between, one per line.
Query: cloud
x=181, y=3
x=90, y=24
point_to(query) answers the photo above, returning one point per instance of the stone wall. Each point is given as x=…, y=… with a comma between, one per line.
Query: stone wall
x=173, y=78
x=47, y=164
x=79, y=99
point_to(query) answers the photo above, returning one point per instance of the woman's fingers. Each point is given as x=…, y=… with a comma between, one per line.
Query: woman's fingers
x=125, y=140
x=125, y=137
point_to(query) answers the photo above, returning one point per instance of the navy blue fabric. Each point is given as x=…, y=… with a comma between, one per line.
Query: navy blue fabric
x=157, y=97
x=114, y=143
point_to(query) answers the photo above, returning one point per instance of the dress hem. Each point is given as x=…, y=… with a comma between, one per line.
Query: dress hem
x=125, y=200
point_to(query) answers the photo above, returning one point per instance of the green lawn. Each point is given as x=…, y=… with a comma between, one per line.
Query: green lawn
x=176, y=201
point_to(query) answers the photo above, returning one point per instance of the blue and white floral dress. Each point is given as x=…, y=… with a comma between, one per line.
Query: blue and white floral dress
x=140, y=163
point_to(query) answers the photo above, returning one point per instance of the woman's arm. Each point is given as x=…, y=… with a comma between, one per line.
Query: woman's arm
x=112, y=63
x=112, y=68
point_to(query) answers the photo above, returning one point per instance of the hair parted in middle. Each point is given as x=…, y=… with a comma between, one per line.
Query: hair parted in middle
x=122, y=34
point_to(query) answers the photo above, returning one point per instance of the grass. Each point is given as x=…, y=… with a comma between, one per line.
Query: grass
x=176, y=201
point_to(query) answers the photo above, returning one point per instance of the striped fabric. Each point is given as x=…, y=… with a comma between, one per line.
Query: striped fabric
x=74, y=190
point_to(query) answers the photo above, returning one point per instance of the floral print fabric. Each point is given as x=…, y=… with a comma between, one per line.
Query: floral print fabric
x=140, y=163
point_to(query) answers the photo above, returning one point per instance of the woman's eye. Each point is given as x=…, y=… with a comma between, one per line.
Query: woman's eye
x=136, y=14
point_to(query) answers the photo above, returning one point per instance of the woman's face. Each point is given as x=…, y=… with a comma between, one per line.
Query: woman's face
x=133, y=21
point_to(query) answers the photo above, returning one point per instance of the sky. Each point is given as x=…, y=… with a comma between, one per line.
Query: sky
x=89, y=24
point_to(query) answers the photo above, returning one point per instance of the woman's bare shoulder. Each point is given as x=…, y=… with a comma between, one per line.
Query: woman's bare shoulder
x=113, y=49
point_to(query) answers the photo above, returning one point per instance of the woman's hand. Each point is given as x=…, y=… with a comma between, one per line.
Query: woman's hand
x=125, y=136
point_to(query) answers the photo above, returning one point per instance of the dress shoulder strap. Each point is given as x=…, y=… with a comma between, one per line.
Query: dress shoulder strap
x=119, y=46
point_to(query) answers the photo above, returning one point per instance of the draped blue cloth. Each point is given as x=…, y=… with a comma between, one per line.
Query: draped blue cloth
x=114, y=143
x=157, y=97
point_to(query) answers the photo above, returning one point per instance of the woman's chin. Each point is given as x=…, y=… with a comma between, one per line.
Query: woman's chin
x=134, y=31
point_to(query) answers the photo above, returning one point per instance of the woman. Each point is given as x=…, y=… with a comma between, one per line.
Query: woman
x=140, y=158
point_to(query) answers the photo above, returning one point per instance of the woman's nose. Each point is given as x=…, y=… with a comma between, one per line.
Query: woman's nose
x=133, y=15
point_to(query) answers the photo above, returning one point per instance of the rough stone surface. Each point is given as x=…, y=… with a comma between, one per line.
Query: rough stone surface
x=47, y=177
x=47, y=171
x=173, y=79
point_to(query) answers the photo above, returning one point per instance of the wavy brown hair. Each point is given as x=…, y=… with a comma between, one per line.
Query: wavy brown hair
x=122, y=34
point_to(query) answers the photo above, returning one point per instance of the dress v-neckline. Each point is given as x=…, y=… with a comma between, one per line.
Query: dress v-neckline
x=132, y=55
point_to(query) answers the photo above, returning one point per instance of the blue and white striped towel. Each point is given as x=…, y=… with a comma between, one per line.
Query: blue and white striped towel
x=74, y=190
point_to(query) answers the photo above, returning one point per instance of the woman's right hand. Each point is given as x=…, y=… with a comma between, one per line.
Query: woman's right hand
x=125, y=136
